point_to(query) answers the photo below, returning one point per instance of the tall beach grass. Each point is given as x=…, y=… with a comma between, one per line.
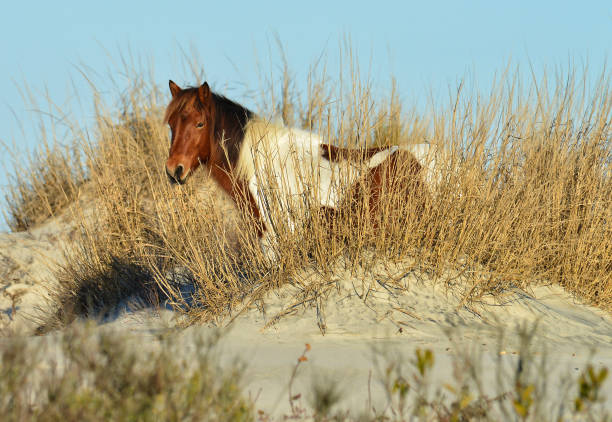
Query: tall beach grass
x=523, y=196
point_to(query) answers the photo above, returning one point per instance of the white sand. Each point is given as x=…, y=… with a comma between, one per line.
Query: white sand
x=359, y=333
x=416, y=313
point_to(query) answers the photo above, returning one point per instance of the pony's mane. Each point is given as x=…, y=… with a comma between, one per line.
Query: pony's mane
x=189, y=97
x=259, y=134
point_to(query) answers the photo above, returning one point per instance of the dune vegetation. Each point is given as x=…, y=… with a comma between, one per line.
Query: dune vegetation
x=523, y=198
x=106, y=375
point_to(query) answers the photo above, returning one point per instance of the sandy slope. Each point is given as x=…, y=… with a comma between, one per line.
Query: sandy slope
x=362, y=336
x=429, y=317
x=361, y=313
x=26, y=263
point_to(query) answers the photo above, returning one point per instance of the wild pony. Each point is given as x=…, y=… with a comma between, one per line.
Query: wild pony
x=251, y=159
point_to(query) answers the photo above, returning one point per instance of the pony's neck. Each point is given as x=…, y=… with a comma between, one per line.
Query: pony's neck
x=230, y=124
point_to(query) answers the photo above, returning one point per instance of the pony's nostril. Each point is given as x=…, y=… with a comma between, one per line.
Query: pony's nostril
x=178, y=171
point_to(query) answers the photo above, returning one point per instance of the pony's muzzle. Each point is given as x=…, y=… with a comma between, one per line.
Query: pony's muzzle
x=175, y=174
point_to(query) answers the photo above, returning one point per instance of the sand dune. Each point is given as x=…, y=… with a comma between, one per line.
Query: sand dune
x=392, y=321
x=353, y=330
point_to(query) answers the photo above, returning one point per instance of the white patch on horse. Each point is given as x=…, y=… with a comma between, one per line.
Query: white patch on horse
x=285, y=167
x=378, y=158
x=428, y=156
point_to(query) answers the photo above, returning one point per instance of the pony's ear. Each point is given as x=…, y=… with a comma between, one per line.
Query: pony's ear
x=174, y=88
x=204, y=93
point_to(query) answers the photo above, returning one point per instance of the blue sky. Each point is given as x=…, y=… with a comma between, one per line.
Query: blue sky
x=426, y=44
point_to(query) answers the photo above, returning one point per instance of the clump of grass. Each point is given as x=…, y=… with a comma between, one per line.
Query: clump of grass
x=325, y=398
x=107, y=265
x=43, y=184
x=523, y=388
x=106, y=376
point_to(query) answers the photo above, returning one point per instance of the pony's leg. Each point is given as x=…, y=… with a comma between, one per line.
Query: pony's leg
x=269, y=248
x=244, y=195
x=239, y=191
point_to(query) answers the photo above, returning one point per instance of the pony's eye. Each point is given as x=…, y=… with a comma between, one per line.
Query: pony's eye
x=200, y=125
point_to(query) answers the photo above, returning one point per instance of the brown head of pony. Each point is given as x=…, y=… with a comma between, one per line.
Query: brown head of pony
x=206, y=128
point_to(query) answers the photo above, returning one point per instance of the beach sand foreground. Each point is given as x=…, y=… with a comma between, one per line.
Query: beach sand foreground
x=360, y=326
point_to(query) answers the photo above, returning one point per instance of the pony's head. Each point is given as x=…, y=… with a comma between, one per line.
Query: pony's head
x=191, y=117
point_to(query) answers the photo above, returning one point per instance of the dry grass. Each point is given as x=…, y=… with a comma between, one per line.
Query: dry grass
x=43, y=184
x=106, y=376
x=523, y=389
x=95, y=375
x=524, y=197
